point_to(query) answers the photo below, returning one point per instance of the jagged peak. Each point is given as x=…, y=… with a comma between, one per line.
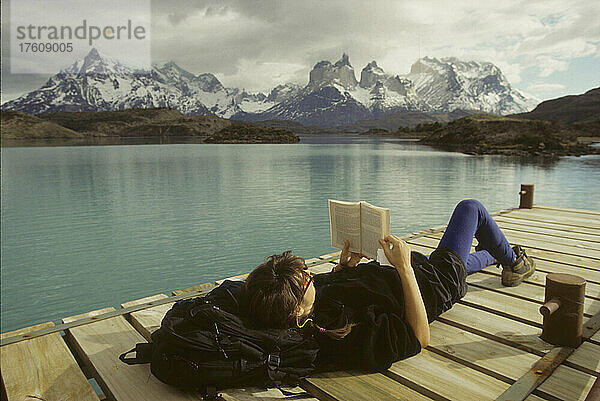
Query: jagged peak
x=208, y=75
x=97, y=63
x=373, y=67
x=432, y=64
x=371, y=75
x=454, y=61
x=94, y=53
x=289, y=85
x=345, y=60
x=172, y=65
x=210, y=82
x=322, y=64
x=340, y=73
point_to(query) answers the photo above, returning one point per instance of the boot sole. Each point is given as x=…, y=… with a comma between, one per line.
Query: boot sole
x=511, y=279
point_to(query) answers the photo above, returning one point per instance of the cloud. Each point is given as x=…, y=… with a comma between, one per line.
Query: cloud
x=240, y=38
x=257, y=44
x=545, y=87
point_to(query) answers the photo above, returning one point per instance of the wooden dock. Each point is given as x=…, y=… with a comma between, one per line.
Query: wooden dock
x=486, y=347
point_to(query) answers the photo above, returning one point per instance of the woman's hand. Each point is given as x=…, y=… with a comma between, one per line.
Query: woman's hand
x=399, y=253
x=347, y=258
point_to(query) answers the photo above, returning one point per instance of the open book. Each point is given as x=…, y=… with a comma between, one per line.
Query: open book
x=360, y=223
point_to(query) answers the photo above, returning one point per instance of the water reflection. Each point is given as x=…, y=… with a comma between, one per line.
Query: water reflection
x=102, y=141
x=90, y=226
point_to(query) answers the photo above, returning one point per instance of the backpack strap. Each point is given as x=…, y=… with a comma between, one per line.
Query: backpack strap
x=272, y=363
x=143, y=354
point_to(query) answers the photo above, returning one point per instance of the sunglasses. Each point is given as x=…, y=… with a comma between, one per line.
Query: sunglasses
x=309, y=279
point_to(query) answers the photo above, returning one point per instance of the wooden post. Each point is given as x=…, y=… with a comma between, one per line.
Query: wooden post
x=563, y=309
x=526, y=196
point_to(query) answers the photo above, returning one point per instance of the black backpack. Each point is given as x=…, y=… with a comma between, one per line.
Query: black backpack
x=205, y=343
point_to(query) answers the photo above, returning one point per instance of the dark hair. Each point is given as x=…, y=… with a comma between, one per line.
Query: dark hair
x=274, y=290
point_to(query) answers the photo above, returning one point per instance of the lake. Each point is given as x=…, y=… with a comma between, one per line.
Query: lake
x=86, y=227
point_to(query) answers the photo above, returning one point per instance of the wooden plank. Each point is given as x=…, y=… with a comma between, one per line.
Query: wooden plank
x=564, y=209
x=558, y=212
x=239, y=277
x=567, y=387
x=353, y=385
x=573, y=260
x=588, y=356
x=199, y=287
x=100, y=344
x=146, y=321
x=517, y=334
x=534, y=397
x=320, y=265
x=500, y=304
x=592, y=290
x=443, y=375
x=592, y=240
x=544, y=224
x=500, y=328
x=554, y=238
x=42, y=368
x=330, y=255
x=523, y=291
x=484, y=352
x=549, y=217
x=546, y=266
x=322, y=268
x=489, y=356
x=564, y=245
x=314, y=261
x=520, y=310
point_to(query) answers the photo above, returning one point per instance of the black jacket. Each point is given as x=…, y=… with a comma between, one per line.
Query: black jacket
x=371, y=295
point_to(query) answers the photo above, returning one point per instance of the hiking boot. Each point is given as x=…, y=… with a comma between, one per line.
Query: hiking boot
x=522, y=267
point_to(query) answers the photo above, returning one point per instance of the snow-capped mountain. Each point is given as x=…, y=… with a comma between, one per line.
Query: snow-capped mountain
x=448, y=84
x=99, y=83
x=333, y=95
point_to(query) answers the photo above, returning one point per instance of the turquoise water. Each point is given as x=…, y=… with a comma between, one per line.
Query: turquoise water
x=89, y=227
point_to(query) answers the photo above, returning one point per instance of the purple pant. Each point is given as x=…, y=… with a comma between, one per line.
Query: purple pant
x=471, y=220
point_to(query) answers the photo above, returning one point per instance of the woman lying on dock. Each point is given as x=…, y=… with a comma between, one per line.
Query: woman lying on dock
x=369, y=316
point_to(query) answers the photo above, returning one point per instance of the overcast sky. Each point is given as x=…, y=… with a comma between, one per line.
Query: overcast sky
x=545, y=48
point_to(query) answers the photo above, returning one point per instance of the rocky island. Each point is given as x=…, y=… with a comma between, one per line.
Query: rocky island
x=247, y=133
x=489, y=134
x=557, y=127
x=23, y=129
